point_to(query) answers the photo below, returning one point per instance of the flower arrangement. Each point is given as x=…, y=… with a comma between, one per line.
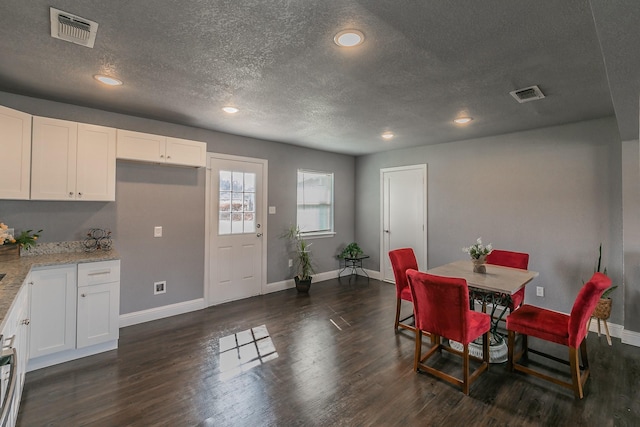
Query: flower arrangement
x=26, y=239
x=478, y=250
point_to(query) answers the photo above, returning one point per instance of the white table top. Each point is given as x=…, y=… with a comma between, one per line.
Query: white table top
x=497, y=279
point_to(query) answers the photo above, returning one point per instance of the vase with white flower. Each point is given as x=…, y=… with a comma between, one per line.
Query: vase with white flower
x=478, y=254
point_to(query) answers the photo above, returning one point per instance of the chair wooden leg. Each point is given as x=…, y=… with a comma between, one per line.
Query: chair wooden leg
x=397, y=314
x=575, y=372
x=465, y=367
x=486, y=341
x=418, y=350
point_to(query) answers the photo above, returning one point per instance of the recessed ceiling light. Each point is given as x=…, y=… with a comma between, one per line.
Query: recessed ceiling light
x=349, y=38
x=230, y=110
x=463, y=120
x=387, y=135
x=111, y=81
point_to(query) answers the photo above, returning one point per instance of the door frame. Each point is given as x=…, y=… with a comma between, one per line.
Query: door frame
x=423, y=168
x=208, y=213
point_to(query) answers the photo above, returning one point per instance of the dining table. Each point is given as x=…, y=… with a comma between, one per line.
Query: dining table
x=493, y=289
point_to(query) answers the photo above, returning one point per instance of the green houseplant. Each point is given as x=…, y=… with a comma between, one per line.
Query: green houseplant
x=303, y=263
x=352, y=250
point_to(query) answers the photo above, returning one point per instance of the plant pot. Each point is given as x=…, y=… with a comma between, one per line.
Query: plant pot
x=479, y=264
x=303, y=286
x=603, y=309
x=9, y=252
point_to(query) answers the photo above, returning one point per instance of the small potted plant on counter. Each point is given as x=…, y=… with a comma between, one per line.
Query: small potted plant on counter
x=303, y=263
x=10, y=245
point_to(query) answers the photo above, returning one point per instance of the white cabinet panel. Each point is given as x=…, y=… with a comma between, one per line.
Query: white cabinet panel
x=96, y=166
x=186, y=152
x=143, y=147
x=146, y=147
x=98, y=314
x=15, y=146
x=98, y=303
x=53, y=310
x=53, y=165
x=72, y=161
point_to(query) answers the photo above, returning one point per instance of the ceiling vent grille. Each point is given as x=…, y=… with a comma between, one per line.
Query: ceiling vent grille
x=72, y=28
x=527, y=94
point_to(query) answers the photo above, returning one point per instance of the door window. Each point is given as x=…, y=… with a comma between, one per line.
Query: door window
x=237, y=203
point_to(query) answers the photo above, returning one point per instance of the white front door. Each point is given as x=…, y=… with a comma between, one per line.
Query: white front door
x=236, y=190
x=404, y=214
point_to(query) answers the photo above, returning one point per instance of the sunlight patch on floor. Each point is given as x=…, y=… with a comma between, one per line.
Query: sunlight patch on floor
x=245, y=350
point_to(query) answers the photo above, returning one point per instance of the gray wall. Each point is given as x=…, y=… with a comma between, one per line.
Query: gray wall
x=173, y=197
x=631, y=208
x=549, y=192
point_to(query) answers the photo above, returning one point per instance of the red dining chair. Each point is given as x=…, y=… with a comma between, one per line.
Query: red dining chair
x=441, y=306
x=514, y=260
x=565, y=329
x=401, y=261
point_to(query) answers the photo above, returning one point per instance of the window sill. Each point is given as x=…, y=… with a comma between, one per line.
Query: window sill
x=320, y=235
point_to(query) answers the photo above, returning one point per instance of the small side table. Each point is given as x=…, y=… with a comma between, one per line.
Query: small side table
x=353, y=264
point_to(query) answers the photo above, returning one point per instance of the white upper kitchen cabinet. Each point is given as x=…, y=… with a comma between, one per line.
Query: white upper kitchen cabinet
x=144, y=147
x=72, y=161
x=15, y=154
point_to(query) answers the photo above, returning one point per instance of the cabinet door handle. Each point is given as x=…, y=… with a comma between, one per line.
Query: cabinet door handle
x=25, y=322
x=31, y=283
x=162, y=156
x=79, y=195
x=168, y=157
x=70, y=193
x=83, y=295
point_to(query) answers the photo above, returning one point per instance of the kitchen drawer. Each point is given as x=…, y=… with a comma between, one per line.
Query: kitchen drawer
x=96, y=273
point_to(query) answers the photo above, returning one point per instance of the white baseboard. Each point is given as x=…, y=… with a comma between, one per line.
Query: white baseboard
x=373, y=274
x=143, y=316
x=290, y=283
x=68, y=355
x=631, y=338
x=614, y=329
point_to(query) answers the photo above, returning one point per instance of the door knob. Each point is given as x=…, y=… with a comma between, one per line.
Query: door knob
x=259, y=234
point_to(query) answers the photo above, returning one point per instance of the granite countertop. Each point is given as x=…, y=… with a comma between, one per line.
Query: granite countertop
x=17, y=270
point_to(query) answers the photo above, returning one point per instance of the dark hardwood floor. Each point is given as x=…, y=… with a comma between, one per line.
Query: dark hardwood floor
x=356, y=372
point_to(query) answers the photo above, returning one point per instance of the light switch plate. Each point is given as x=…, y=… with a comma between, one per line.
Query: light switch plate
x=272, y=210
x=157, y=231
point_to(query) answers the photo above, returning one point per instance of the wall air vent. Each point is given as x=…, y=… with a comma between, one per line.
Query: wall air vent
x=527, y=94
x=72, y=28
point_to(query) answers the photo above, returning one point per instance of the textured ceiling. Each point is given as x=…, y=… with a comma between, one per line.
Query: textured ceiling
x=422, y=64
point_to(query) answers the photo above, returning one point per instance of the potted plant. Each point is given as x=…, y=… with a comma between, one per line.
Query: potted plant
x=603, y=308
x=304, y=266
x=10, y=245
x=352, y=250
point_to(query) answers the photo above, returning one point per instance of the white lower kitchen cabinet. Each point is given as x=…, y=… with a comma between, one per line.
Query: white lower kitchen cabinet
x=98, y=303
x=75, y=313
x=53, y=310
x=15, y=349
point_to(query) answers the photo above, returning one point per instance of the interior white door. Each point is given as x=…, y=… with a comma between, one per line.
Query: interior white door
x=236, y=229
x=404, y=214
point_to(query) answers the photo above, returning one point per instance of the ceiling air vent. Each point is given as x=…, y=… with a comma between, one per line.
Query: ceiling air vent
x=527, y=94
x=72, y=28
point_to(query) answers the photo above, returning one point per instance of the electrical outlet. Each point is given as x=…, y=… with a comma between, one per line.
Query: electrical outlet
x=290, y=263
x=157, y=231
x=160, y=287
x=539, y=291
